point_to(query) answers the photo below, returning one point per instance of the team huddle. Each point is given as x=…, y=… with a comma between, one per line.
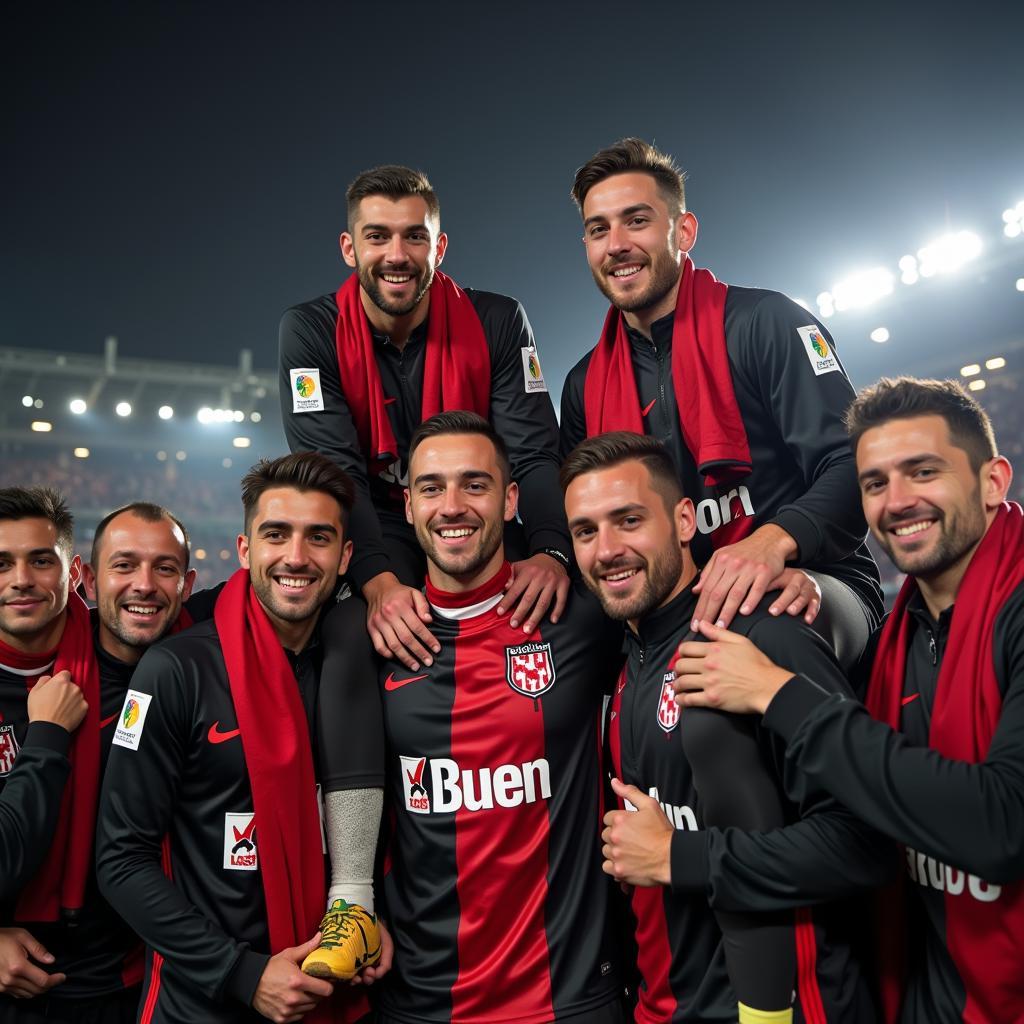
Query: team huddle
x=510, y=719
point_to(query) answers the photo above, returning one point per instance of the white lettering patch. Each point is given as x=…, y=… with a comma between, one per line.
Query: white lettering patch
x=132, y=720
x=8, y=748
x=306, y=393
x=240, y=842
x=819, y=351
x=533, y=375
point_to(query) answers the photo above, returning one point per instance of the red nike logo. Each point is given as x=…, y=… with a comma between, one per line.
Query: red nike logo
x=391, y=683
x=388, y=401
x=912, y=697
x=215, y=736
x=648, y=407
x=104, y=722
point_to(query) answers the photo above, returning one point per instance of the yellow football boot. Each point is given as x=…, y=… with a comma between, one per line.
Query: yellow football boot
x=349, y=941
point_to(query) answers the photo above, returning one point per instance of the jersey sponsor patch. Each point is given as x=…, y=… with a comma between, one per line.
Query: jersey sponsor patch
x=533, y=375
x=668, y=709
x=132, y=720
x=417, y=799
x=8, y=748
x=306, y=393
x=453, y=788
x=530, y=669
x=819, y=351
x=240, y=852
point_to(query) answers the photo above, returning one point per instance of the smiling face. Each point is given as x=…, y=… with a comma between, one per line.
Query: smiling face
x=138, y=581
x=458, y=503
x=295, y=551
x=632, y=551
x=36, y=575
x=635, y=243
x=922, y=501
x=395, y=246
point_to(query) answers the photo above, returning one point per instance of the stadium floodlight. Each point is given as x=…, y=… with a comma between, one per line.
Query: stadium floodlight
x=995, y=363
x=77, y=406
x=826, y=306
x=1012, y=230
x=970, y=370
x=948, y=253
x=27, y=401
x=880, y=335
x=237, y=415
x=38, y=403
x=165, y=412
x=256, y=417
x=81, y=453
x=976, y=385
x=123, y=409
x=181, y=456
x=226, y=463
x=161, y=456
x=1013, y=220
x=205, y=415
x=241, y=442
x=200, y=553
x=1020, y=284
x=42, y=426
x=908, y=270
x=862, y=288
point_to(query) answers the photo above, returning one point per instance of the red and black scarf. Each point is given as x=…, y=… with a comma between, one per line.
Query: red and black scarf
x=708, y=413
x=456, y=368
x=984, y=939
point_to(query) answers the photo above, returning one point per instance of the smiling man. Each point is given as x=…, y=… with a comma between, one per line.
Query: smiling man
x=73, y=955
x=209, y=839
x=742, y=385
x=940, y=769
x=399, y=341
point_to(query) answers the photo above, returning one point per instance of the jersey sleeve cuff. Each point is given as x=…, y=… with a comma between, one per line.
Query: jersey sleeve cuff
x=688, y=856
x=550, y=538
x=48, y=735
x=243, y=978
x=802, y=529
x=788, y=709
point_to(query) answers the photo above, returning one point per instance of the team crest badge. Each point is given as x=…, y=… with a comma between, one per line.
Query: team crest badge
x=8, y=748
x=668, y=709
x=530, y=669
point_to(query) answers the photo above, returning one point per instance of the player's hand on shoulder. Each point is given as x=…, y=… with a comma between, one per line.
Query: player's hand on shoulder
x=799, y=594
x=738, y=575
x=537, y=583
x=20, y=978
x=284, y=994
x=396, y=618
x=57, y=699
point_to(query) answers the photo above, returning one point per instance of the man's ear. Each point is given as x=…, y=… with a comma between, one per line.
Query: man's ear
x=243, y=550
x=686, y=232
x=996, y=477
x=89, y=581
x=442, y=248
x=685, y=519
x=348, y=248
x=75, y=572
x=511, y=501
x=190, y=582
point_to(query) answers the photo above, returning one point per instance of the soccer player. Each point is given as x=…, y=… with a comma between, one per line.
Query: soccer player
x=742, y=385
x=631, y=528
x=360, y=369
x=937, y=759
x=68, y=956
x=494, y=891
x=209, y=840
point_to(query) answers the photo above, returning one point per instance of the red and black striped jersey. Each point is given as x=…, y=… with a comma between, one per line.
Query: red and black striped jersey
x=680, y=954
x=494, y=891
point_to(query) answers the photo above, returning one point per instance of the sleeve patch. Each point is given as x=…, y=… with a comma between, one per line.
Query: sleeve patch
x=132, y=719
x=306, y=393
x=819, y=351
x=533, y=375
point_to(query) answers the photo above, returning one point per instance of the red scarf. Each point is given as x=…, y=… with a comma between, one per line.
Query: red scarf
x=456, y=368
x=708, y=414
x=984, y=939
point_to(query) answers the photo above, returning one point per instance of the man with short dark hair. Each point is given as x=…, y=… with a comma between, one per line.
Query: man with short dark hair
x=742, y=385
x=88, y=963
x=397, y=343
x=941, y=768
x=716, y=932
x=209, y=840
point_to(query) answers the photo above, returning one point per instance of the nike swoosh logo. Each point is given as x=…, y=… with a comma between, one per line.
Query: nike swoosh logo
x=391, y=683
x=912, y=697
x=648, y=407
x=104, y=722
x=214, y=736
x=388, y=401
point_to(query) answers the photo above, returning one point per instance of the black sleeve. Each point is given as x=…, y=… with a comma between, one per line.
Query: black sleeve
x=30, y=805
x=807, y=407
x=136, y=812
x=825, y=855
x=526, y=421
x=201, y=604
x=349, y=703
x=967, y=815
x=573, y=421
x=306, y=341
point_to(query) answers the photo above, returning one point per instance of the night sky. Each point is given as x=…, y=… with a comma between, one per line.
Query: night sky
x=175, y=173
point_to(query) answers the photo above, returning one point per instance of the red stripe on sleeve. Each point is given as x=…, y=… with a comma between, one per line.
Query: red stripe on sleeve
x=807, y=968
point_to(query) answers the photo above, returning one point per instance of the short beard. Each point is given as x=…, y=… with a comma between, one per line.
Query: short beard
x=369, y=285
x=264, y=589
x=664, y=278
x=662, y=576
x=461, y=567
